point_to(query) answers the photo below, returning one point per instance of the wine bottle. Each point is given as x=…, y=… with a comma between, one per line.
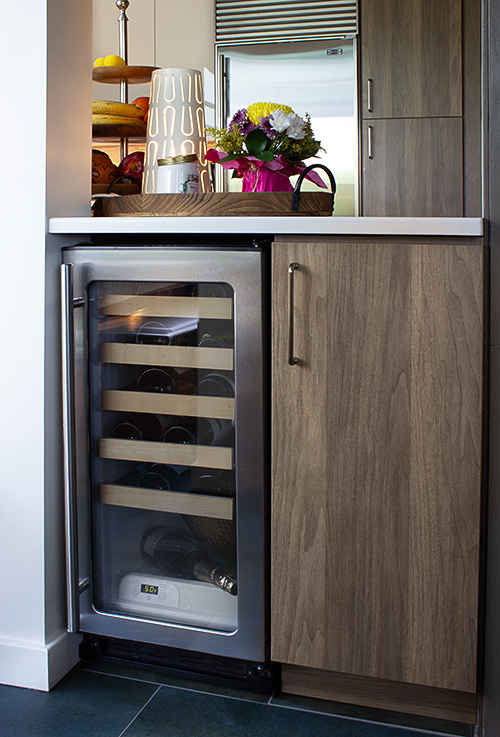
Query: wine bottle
x=216, y=384
x=197, y=430
x=154, y=332
x=180, y=556
x=216, y=482
x=157, y=476
x=165, y=478
x=138, y=427
x=216, y=340
x=161, y=380
x=170, y=331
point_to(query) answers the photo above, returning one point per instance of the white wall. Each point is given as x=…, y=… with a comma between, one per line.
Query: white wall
x=47, y=56
x=46, y=53
x=162, y=33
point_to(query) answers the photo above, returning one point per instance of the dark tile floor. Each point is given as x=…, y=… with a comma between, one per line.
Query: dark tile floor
x=102, y=700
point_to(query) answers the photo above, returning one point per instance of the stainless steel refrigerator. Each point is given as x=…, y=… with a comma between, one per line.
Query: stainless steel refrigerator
x=164, y=426
x=315, y=77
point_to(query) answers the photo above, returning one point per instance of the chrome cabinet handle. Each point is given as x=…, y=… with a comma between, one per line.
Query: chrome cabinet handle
x=369, y=95
x=73, y=585
x=292, y=360
x=370, y=142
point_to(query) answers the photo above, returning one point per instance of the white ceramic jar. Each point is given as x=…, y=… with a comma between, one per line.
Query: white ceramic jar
x=178, y=174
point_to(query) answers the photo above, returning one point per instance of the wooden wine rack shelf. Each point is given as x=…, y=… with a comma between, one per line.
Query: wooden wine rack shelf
x=205, y=456
x=175, y=356
x=175, y=502
x=168, y=404
x=212, y=308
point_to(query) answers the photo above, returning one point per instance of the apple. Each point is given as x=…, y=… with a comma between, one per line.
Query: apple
x=132, y=166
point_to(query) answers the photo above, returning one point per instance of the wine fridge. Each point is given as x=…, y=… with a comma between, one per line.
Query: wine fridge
x=165, y=449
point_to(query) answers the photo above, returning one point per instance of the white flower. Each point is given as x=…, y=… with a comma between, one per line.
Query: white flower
x=296, y=127
x=289, y=123
x=279, y=120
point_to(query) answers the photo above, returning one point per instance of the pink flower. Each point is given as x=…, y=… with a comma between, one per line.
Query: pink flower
x=251, y=163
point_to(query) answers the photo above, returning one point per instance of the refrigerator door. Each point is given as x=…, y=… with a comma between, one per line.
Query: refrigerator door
x=170, y=451
x=314, y=77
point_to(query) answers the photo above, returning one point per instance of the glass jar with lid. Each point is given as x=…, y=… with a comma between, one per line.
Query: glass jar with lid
x=178, y=174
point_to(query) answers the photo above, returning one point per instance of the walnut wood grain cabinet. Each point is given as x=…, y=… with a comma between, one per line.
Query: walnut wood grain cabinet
x=413, y=167
x=376, y=454
x=411, y=58
x=419, y=108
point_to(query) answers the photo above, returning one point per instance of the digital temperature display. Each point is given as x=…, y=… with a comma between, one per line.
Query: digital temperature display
x=147, y=588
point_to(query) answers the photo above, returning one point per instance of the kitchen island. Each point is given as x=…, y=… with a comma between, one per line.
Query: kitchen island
x=376, y=452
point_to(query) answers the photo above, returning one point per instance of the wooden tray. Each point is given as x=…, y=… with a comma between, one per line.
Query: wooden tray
x=223, y=204
x=131, y=74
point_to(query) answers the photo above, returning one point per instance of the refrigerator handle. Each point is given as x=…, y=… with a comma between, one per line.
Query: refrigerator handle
x=73, y=586
x=221, y=96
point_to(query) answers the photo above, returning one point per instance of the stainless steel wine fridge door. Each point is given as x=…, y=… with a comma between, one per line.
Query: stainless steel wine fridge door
x=164, y=419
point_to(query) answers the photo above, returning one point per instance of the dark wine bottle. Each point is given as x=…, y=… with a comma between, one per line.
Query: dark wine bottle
x=180, y=556
x=213, y=481
x=161, y=380
x=158, y=476
x=138, y=427
x=154, y=332
x=216, y=340
x=216, y=384
x=165, y=478
x=197, y=430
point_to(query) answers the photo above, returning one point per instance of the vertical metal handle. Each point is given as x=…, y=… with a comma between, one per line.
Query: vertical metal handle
x=292, y=360
x=370, y=142
x=369, y=95
x=73, y=586
x=221, y=105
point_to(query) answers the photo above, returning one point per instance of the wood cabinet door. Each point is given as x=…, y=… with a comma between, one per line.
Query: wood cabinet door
x=411, y=58
x=376, y=454
x=412, y=167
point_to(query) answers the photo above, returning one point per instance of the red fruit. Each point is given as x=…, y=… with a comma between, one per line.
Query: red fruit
x=132, y=165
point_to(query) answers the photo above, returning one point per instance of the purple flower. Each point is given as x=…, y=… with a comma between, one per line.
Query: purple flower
x=242, y=122
x=265, y=125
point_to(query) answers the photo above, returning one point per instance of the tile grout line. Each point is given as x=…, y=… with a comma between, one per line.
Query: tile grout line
x=139, y=712
x=269, y=702
x=178, y=688
x=271, y=697
x=417, y=730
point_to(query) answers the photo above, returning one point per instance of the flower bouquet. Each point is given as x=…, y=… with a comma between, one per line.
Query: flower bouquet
x=266, y=144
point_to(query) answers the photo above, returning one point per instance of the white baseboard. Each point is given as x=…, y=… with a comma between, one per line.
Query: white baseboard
x=40, y=667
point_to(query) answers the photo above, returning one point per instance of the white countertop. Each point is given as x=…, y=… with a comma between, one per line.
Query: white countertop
x=270, y=225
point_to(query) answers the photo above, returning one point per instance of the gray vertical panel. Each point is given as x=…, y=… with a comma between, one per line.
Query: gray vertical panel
x=491, y=701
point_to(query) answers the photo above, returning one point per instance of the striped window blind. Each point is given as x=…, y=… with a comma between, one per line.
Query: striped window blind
x=265, y=21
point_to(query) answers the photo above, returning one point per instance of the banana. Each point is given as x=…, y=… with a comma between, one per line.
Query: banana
x=98, y=119
x=123, y=109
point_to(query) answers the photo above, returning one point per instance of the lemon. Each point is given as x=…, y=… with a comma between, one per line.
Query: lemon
x=99, y=62
x=114, y=61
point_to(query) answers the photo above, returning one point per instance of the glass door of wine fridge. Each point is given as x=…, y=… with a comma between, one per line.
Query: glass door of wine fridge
x=165, y=448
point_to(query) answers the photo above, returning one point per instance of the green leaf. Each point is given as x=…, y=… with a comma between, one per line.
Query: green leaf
x=257, y=142
x=266, y=156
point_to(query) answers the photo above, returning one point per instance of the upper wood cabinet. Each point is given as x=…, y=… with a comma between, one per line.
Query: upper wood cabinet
x=411, y=58
x=376, y=458
x=412, y=167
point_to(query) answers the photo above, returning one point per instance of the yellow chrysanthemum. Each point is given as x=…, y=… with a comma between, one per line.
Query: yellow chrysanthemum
x=263, y=109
